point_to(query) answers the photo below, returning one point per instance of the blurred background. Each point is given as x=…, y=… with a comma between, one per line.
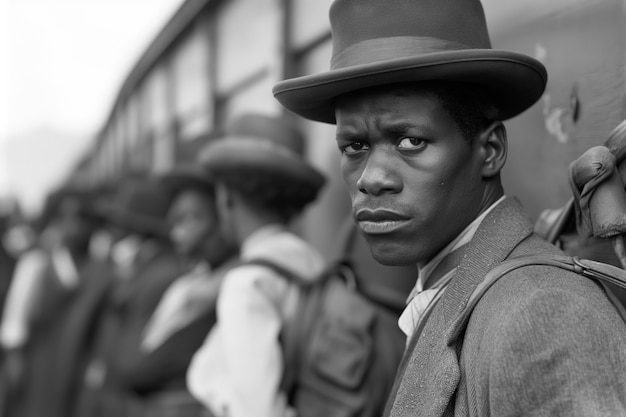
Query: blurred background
x=95, y=89
x=62, y=64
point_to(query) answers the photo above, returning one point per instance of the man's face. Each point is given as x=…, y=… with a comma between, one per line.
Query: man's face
x=414, y=180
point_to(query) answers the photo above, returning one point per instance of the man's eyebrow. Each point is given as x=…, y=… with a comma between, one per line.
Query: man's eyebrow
x=346, y=134
x=397, y=128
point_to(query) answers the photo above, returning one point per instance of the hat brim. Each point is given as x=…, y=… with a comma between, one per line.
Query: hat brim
x=184, y=177
x=513, y=81
x=131, y=222
x=232, y=154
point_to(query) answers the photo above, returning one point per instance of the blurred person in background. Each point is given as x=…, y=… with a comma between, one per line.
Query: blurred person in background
x=8, y=252
x=102, y=239
x=83, y=312
x=262, y=182
x=49, y=280
x=21, y=262
x=186, y=311
x=144, y=265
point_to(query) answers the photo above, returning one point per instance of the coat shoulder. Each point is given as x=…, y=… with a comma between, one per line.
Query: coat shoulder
x=539, y=339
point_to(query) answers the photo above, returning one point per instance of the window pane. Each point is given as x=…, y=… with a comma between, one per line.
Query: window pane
x=192, y=90
x=257, y=97
x=310, y=20
x=248, y=38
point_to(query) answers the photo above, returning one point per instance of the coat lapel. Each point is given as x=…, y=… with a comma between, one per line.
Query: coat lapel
x=429, y=376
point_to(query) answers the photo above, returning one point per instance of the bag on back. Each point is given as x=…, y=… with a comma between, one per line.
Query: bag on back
x=341, y=349
x=592, y=224
x=589, y=228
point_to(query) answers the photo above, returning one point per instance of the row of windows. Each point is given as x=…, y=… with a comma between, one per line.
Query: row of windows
x=223, y=64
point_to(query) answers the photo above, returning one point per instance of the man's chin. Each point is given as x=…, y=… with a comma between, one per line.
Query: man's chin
x=391, y=255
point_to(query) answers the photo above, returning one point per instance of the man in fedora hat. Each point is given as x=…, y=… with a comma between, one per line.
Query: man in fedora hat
x=418, y=97
x=262, y=182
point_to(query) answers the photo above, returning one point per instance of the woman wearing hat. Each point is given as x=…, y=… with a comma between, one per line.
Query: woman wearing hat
x=262, y=182
x=186, y=311
x=419, y=97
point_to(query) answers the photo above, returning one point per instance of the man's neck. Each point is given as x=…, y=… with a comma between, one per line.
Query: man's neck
x=491, y=196
x=462, y=238
x=249, y=220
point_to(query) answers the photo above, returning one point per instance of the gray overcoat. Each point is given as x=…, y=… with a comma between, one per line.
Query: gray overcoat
x=541, y=342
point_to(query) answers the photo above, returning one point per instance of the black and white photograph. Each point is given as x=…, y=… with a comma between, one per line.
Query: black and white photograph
x=312, y=208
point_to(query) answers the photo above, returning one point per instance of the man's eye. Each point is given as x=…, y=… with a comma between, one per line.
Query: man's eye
x=411, y=143
x=355, y=147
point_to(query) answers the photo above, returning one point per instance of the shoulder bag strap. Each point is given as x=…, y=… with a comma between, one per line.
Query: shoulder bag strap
x=598, y=271
x=293, y=331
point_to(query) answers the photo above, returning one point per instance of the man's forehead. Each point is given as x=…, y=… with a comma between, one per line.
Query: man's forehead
x=384, y=94
x=389, y=106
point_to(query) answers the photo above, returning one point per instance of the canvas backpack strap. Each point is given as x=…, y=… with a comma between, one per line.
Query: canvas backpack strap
x=598, y=271
x=279, y=269
x=294, y=328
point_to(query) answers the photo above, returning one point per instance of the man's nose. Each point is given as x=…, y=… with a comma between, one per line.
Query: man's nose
x=379, y=175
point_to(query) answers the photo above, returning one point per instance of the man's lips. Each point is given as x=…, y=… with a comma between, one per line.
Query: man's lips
x=379, y=221
x=379, y=215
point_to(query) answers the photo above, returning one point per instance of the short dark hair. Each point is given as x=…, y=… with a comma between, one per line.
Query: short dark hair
x=270, y=191
x=468, y=105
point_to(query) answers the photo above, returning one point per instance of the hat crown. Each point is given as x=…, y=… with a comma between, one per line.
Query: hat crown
x=279, y=131
x=143, y=197
x=381, y=42
x=404, y=27
x=258, y=143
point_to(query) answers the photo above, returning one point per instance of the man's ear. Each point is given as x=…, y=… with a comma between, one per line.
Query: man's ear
x=494, y=142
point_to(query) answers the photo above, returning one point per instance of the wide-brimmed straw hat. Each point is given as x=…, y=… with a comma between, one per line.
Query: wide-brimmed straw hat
x=377, y=42
x=262, y=143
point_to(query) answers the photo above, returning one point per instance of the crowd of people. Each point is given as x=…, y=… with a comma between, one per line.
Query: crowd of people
x=118, y=289
x=154, y=298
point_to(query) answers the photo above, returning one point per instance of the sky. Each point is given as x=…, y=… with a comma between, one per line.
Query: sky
x=62, y=64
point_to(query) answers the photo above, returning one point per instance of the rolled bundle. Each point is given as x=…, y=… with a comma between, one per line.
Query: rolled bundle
x=599, y=197
x=599, y=191
x=616, y=142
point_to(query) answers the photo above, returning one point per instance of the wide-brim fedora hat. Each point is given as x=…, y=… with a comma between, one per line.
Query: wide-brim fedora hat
x=139, y=205
x=187, y=175
x=379, y=42
x=259, y=143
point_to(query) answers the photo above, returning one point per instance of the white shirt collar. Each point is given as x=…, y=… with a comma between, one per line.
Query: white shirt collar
x=258, y=237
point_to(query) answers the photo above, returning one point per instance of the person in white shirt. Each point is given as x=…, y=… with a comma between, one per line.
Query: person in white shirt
x=262, y=182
